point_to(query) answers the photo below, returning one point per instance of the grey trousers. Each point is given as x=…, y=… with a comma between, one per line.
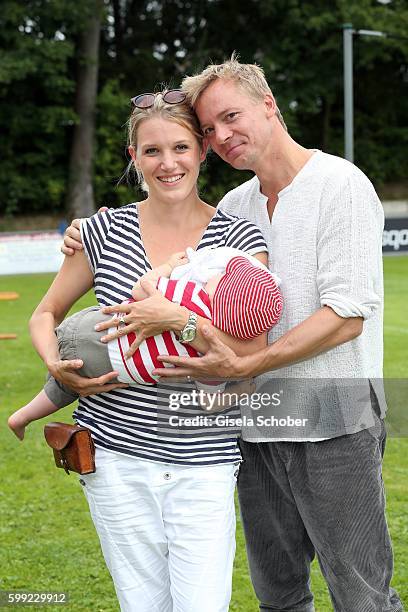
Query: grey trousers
x=302, y=498
x=77, y=339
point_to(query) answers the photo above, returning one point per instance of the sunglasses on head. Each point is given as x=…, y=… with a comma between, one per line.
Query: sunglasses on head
x=146, y=100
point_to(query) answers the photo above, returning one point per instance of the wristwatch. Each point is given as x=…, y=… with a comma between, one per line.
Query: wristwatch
x=188, y=333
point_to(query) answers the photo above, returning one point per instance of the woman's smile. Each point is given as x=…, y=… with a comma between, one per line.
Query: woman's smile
x=170, y=180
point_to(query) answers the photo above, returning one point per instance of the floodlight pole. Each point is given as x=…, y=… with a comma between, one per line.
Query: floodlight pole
x=348, y=33
x=348, y=91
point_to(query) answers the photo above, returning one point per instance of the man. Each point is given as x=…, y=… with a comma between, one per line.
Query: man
x=318, y=490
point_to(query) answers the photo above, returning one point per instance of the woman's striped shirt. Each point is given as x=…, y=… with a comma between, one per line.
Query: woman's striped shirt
x=136, y=420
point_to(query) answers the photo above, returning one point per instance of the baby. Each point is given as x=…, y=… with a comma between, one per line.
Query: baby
x=229, y=287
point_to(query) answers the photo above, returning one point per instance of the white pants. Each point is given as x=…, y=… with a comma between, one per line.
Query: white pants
x=167, y=532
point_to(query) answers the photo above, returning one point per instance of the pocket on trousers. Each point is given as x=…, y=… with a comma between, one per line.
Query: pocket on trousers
x=376, y=436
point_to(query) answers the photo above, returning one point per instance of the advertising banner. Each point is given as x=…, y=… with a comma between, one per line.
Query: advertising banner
x=395, y=236
x=30, y=252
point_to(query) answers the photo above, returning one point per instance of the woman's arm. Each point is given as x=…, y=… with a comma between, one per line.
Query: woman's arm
x=156, y=314
x=72, y=281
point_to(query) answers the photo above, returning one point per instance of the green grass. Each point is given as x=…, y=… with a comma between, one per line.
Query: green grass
x=47, y=540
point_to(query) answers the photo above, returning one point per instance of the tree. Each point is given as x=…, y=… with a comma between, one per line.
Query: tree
x=35, y=102
x=146, y=43
x=80, y=197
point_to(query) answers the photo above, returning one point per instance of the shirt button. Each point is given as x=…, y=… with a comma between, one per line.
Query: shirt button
x=166, y=475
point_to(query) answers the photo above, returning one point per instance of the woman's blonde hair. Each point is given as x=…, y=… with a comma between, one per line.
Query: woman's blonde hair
x=181, y=113
x=250, y=77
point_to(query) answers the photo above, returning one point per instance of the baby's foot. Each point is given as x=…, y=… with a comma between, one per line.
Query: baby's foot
x=17, y=424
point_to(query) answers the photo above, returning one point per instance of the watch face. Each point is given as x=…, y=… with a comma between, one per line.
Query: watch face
x=188, y=335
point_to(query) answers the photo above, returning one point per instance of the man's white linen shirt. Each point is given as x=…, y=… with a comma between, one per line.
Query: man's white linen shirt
x=325, y=243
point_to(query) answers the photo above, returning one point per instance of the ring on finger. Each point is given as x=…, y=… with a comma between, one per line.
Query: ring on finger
x=122, y=320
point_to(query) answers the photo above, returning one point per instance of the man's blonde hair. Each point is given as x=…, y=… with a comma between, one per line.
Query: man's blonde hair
x=250, y=77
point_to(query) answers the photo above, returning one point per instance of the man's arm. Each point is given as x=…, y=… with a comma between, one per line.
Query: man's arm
x=322, y=331
x=349, y=282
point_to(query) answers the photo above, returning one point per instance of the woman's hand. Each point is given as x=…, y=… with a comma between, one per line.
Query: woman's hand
x=65, y=372
x=149, y=317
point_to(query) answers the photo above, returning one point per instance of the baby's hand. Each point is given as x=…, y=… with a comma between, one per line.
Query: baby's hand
x=138, y=293
x=178, y=259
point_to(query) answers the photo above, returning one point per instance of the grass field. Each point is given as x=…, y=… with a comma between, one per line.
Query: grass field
x=47, y=539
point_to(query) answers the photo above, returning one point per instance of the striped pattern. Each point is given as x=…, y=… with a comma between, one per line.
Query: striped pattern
x=138, y=369
x=247, y=301
x=135, y=420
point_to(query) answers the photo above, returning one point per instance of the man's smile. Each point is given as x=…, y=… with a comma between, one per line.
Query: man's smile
x=234, y=150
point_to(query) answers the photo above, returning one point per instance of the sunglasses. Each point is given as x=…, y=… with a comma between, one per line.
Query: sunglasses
x=146, y=100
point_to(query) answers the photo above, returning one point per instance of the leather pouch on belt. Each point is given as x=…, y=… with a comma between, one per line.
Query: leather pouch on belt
x=73, y=447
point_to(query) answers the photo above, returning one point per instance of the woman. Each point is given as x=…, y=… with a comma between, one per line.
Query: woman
x=162, y=500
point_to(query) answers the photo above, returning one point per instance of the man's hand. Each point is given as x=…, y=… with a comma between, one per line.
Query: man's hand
x=65, y=372
x=219, y=362
x=72, y=237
